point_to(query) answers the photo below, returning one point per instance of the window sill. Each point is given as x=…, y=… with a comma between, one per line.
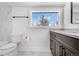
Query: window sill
x=46, y=27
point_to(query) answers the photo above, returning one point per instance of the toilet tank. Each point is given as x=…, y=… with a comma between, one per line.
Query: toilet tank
x=16, y=38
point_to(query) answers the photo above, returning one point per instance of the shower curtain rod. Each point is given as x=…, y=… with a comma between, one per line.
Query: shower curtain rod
x=20, y=17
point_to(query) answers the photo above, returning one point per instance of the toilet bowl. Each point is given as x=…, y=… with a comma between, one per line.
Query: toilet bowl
x=8, y=49
x=17, y=40
x=3, y=43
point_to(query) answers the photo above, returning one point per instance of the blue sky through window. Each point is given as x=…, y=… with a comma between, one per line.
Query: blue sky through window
x=52, y=17
x=76, y=14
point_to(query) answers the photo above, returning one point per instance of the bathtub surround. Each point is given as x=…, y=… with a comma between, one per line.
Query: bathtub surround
x=5, y=23
x=7, y=48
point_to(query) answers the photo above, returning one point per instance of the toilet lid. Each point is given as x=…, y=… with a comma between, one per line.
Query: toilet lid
x=3, y=43
x=7, y=46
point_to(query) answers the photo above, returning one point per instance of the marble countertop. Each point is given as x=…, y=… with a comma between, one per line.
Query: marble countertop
x=68, y=32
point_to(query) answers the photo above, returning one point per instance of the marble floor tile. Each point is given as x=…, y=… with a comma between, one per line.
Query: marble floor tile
x=31, y=53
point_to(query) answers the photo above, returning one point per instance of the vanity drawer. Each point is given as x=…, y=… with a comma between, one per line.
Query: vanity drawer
x=52, y=35
x=73, y=42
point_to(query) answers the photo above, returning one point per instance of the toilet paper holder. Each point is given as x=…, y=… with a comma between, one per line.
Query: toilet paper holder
x=25, y=37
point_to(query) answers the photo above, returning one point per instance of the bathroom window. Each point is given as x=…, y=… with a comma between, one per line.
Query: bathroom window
x=45, y=18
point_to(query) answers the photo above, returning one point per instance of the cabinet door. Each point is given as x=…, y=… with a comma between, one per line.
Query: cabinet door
x=52, y=35
x=59, y=50
x=51, y=44
x=53, y=50
x=68, y=52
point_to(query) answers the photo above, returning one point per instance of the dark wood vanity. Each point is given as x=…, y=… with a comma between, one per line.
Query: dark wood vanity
x=63, y=45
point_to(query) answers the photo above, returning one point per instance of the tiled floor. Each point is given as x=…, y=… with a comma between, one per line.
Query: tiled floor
x=31, y=53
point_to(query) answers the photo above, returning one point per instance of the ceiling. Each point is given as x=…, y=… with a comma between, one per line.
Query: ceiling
x=14, y=4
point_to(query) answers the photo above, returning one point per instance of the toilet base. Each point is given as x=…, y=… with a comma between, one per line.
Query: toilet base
x=9, y=52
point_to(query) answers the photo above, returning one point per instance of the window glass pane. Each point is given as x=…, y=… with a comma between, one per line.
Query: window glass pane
x=76, y=17
x=50, y=17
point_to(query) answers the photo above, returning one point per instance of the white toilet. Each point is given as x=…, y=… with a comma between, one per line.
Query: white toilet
x=10, y=48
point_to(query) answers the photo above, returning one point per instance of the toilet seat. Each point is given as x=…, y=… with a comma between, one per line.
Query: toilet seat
x=3, y=43
x=7, y=46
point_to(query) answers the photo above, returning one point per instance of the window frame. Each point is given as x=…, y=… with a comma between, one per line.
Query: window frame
x=59, y=22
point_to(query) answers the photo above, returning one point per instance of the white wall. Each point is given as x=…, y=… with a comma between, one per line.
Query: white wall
x=5, y=24
x=38, y=41
x=39, y=37
x=67, y=17
x=27, y=11
x=20, y=25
